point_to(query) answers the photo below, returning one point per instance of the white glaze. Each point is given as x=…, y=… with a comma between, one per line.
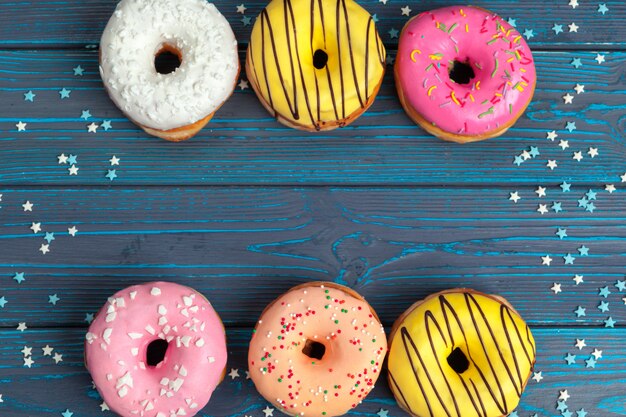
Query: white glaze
x=206, y=77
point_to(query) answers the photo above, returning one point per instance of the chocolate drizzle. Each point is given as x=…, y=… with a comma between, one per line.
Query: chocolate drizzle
x=497, y=368
x=282, y=54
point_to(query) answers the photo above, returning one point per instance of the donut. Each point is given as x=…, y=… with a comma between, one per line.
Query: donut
x=170, y=105
x=317, y=350
x=463, y=74
x=460, y=353
x=156, y=350
x=322, y=75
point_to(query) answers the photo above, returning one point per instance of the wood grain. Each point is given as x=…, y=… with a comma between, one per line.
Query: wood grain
x=600, y=390
x=73, y=23
x=243, y=145
x=393, y=245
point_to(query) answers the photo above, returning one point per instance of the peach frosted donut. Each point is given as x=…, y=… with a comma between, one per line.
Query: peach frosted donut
x=156, y=350
x=460, y=353
x=171, y=103
x=315, y=65
x=463, y=73
x=317, y=350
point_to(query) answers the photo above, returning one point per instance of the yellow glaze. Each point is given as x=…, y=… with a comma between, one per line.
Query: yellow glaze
x=492, y=336
x=280, y=67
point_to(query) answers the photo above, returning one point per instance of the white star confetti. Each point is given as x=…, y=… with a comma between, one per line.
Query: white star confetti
x=580, y=344
x=573, y=27
x=541, y=191
x=28, y=206
x=72, y=231
x=21, y=126
x=579, y=88
x=35, y=227
x=406, y=11
x=44, y=248
x=47, y=350
x=552, y=135
x=538, y=376
x=593, y=152
x=73, y=170
x=564, y=144
x=234, y=373
x=93, y=127
x=514, y=196
x=610, y=188
x=578, y=279
x=563, y=395
x=241, y=9
x=114, y=160
x=551, y=164
x=62, y=159
x=578, y=156
x=599, y=58
x=556, y=288
x=543, y=208
x=567, y=98
x=21, y=326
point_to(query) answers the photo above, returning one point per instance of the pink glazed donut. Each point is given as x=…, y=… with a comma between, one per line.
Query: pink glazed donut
x=463, y=73
x=156, y=350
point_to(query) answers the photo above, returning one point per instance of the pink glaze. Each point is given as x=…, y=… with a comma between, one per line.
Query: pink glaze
x=355, y=347
x=502, y=62
x=116, y=344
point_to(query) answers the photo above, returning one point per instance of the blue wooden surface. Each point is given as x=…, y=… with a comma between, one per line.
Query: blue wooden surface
x=249, y=208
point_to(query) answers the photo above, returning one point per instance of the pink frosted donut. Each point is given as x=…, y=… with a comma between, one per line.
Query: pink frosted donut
x=317, y=350
x=156, y=350
x=463, y=73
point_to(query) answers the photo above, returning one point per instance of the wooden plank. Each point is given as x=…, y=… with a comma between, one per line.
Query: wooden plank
x=243, y=145
x=393, y=245
x=49, y=389
x=49, y=23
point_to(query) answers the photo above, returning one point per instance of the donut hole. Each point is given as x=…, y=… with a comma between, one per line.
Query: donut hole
x=461, y=72
x=458, y=361
x=155, y=352
x=320, y=59
x=167, y=60
x=313, y=349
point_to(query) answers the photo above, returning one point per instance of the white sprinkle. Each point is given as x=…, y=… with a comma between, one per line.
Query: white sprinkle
x=162, y=310
x=185, y=340
x=211, y=359
x=110, y=317
x=162, y=320
x=107, y=335
x=176, y=384
x=133, y=294
x=134, y=351
x=155, y=291
x=120, y=302
x=135, y=335
x=122, y=392
x=187, y=300
x=90, y=337
x=150, y=330
x=182, y=371
x=200, y=342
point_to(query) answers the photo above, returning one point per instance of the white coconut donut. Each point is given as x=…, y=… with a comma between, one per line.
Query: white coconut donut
x=177, y=105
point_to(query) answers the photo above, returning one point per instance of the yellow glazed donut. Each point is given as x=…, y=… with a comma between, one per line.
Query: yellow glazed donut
x=317, y=350
x=315, y=65
x=460, y=353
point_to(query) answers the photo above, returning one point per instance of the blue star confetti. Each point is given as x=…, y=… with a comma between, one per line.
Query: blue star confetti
x=30, y=96
x=19, y=277
x=65, y=93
